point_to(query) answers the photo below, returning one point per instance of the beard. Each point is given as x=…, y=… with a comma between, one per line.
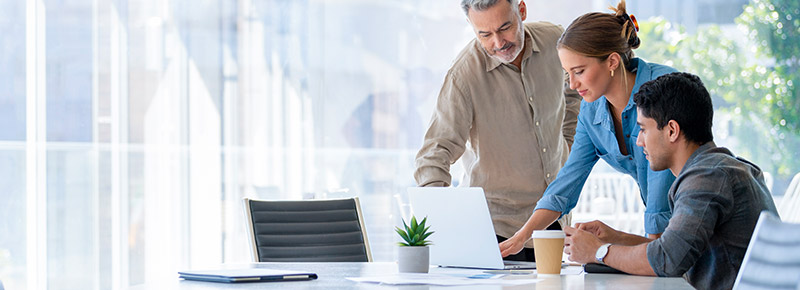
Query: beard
x=657, y=163
x=518, y=44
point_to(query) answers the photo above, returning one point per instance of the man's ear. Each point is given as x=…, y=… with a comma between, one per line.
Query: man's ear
x=523, y=10
x=673, y=131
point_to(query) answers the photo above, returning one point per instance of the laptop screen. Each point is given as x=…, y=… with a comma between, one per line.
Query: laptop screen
x=464, y=235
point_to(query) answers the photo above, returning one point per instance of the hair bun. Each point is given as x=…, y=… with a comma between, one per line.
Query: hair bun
x=620, y=10
x=629, y=29
x=634, y=41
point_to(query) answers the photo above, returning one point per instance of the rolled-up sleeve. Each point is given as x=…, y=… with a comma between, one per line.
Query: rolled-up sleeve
x=446, y=136
x=699, y=205
x=657, y=212
x=563, y=193
x=573, y=106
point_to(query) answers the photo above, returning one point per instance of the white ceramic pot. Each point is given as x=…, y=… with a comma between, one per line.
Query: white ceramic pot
x=413, y=259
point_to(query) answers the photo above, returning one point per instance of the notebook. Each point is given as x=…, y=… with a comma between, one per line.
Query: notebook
x=464, y=235
x=246, y=275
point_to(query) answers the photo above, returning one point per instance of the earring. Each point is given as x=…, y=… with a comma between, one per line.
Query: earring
x=612, y=73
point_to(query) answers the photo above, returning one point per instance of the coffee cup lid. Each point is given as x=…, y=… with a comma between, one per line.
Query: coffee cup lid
x=548, y=234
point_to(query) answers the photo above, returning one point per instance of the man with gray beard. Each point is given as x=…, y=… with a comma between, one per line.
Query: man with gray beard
x=504, y=106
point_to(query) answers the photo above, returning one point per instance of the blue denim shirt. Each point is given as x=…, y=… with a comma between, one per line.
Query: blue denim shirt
x=595, y=138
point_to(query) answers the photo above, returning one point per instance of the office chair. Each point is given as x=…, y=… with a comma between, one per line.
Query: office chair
x=772, y=260
x=789, y=208
x=330, y=230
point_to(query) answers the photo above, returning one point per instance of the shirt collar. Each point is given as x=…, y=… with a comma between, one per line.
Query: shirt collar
x=492, y=63
x=693, y=158
x=643, y=74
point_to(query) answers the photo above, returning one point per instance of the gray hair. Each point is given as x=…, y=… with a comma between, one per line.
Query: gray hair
x=482, y=5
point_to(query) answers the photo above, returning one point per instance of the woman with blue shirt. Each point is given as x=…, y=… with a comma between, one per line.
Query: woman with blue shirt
x=596, y=50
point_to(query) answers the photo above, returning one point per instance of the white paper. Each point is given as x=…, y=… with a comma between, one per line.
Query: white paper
x=572, y=270
x=440, y=280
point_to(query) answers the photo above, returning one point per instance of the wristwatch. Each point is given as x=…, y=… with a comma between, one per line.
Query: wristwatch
x=601, y=253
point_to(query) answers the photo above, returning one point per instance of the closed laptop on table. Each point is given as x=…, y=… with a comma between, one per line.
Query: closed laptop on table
x=246, y=275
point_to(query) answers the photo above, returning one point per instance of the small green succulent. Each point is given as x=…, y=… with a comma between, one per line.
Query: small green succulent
x=415, y=235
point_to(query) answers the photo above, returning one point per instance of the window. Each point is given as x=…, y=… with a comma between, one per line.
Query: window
x=131, y=129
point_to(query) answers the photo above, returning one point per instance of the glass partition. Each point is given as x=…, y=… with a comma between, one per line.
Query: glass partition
x=132, y=129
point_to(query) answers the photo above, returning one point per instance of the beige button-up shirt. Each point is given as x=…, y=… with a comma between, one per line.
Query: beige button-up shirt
x=515, y=124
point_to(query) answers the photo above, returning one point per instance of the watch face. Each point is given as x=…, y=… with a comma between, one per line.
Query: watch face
x=602, y=252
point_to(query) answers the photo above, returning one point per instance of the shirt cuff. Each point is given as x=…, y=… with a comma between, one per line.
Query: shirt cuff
x=553, y=202
x=655, y=256
x=656, y=222
x=432, y=176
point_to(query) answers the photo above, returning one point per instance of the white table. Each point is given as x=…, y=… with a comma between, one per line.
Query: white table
x=332, y=276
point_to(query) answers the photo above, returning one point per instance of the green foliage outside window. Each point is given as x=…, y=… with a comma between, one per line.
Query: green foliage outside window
x=774, y=28
x=752, y=73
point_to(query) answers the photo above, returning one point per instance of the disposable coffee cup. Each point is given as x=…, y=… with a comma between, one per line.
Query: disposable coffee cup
x=548, y=247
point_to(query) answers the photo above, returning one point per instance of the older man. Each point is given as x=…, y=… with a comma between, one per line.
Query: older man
x=503, y=102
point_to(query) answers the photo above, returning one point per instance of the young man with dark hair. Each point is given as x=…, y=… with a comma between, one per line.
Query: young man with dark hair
x=716, y=198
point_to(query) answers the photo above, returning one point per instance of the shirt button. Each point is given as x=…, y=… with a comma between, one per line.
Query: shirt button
x=548, y=175
x=630, y=158
x=537, y=123
x=627, y=135
x=531, y=99
x=625, y=117
x=544, y=149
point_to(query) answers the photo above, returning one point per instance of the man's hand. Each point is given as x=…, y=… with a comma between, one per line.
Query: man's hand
x=580, y=245
x=513, y=245
x=600, y=230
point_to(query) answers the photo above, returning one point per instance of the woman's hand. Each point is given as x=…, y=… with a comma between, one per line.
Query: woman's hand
x=513, y=245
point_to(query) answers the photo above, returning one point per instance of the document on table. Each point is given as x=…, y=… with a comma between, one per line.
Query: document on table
x=441, y=279
x=572, y=270
x=569, y=270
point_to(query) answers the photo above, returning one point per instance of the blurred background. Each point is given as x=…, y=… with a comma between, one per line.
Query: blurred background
x=130, y=130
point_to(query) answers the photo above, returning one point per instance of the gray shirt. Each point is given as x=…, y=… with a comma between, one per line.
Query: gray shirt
x=715, y=201
x=515, y=124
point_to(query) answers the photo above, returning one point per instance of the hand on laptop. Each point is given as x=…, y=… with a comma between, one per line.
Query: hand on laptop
x=513, y=245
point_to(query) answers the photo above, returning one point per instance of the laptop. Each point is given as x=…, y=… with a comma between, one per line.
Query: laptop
x=464, y=235
x=246, y=275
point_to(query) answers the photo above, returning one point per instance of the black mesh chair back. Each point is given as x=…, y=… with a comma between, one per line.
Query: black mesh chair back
x=329, y=230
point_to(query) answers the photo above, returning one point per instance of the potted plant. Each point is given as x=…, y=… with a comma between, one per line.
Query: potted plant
x=413, y=253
